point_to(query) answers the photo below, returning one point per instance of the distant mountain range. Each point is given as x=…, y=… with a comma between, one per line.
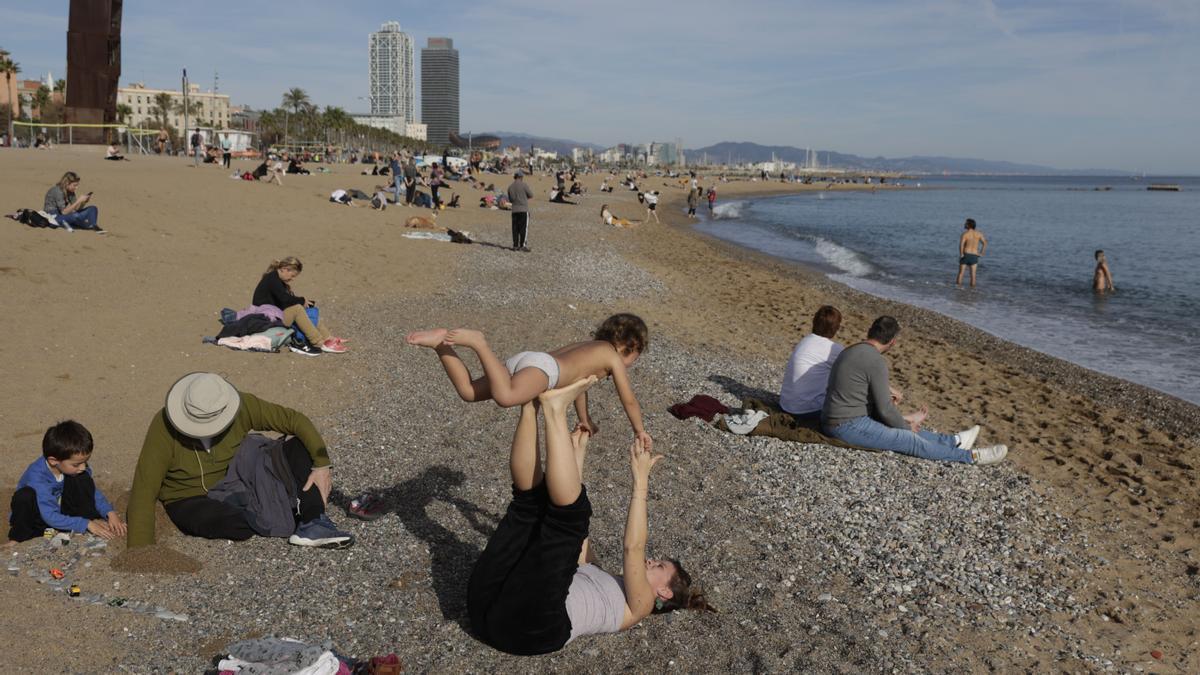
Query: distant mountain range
x=727, y=152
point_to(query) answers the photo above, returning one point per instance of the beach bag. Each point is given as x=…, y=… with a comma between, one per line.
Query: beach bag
x=314, y=315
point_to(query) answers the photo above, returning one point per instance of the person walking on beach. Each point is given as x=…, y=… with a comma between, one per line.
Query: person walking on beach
x=858, y=409
x=651, y=199
x=971, y=247
x=712, y=200
x=197, y=148
x=1102, y=279
x=693, y=199
x=226, y=150
x=519, y=195
x=410, y=181
x=397, y=176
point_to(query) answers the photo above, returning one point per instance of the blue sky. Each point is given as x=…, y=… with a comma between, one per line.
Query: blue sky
x=1065, y=83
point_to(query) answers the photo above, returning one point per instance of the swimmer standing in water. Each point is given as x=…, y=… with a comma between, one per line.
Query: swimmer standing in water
x=971, y=247
x=1102, y=279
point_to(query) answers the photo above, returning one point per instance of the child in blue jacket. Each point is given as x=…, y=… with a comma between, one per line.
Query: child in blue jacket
x=57, y=490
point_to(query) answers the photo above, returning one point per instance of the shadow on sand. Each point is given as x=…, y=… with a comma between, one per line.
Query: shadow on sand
x=742, y=391
x=451, y=558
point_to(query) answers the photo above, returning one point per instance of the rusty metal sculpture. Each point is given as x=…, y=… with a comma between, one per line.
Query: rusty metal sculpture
x=93, y=66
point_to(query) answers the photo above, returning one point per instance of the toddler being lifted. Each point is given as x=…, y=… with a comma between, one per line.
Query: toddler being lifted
x=618, y=343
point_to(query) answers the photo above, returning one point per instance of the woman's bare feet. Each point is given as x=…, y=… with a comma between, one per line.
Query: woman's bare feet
x=426, y=338
x=465, y=337
x=556, y=400
x=579, y=441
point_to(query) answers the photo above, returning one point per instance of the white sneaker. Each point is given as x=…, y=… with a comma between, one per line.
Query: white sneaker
x=990, y=454
x=966, y=437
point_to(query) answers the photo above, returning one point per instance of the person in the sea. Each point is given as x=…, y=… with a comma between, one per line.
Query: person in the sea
x=536, y=586
x=187, y=453
x=616, y=346
x=971, y=247
x=1102, y=278
x=858, y=409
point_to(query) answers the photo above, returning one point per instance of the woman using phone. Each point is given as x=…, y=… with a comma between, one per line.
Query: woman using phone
x=73, y=213
x=275, y=288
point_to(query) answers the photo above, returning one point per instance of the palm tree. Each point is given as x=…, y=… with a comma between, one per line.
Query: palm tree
x=10, y=69
x=163, y=104
x=123, y=112
x=296, y=99
x=41, y=100
x=60, y=87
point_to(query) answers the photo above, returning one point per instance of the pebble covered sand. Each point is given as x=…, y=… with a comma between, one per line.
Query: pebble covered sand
x=819, y=559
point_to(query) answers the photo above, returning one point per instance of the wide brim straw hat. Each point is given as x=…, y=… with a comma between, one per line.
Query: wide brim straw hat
x=202, y=405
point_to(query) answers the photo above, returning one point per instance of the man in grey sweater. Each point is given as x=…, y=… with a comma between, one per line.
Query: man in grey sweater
x=858, y=408
x=518, y=195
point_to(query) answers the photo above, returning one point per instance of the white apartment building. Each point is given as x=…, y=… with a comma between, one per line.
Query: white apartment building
x=392, y=82
x=208, y=109
x=396, y=125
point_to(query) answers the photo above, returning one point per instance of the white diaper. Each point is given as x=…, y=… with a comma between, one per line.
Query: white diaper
x=540, y=360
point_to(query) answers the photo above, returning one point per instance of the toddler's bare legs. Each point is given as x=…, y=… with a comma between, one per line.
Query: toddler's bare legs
x=562, y=467
x=468, y=389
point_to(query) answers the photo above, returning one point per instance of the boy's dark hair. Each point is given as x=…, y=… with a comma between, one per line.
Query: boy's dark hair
x=65, y=440
x=970, y=224
x=626, y=332
x=683, y=594
x=1099, y=252
x=883, y=330
x=827, y=321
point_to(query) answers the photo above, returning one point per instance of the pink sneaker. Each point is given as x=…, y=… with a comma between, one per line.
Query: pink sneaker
x=333, y=346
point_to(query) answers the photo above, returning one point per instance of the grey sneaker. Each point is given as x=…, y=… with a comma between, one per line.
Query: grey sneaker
x=966, y=437
x=321, y=533
x=990, y=454
x=304, y=349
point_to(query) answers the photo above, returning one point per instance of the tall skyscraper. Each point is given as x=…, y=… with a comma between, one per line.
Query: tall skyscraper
x=392, y=83
x=439, y=89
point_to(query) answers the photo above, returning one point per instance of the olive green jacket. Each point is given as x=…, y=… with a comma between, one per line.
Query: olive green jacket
x=173, y=466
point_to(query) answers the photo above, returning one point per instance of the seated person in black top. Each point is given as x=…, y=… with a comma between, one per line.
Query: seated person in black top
x=557, y=197
x=275, y=289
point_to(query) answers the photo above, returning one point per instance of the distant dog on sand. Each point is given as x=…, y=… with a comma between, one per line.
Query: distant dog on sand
x=422, y=223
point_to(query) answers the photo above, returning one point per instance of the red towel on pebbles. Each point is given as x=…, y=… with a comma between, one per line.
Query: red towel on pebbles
x=704, y=407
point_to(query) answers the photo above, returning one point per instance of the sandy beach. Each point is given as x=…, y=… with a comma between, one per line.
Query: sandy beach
x=1079, y=553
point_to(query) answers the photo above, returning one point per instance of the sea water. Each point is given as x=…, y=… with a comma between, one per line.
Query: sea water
x=1035, y=281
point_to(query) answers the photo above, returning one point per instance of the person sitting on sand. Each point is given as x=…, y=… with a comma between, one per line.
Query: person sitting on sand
x=616, y=346
x=57, y=490
x=113, y=154
x=73, y=213
x=971, y=247
x=339, y=196
x=858, y=409
x=609, y=219
x=806, y=377
x=1102, y=278
x=379, y=202
x=187, y=453
x=295, y=166
x=536, y=587
x=558, y=197
x=273, y=174
x=274, y=288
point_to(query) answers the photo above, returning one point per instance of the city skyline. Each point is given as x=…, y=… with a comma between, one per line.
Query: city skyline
x=1069, y=85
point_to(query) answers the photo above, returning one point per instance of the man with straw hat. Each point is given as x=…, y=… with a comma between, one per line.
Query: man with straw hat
x=188, y=450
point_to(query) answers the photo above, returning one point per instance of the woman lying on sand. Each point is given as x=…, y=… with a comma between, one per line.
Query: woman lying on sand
x=536, y=586
x=275, y=288
x=609, y=219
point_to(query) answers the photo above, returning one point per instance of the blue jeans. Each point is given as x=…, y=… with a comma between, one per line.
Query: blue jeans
x=84, y=219
x=867, y=433
x=397, y=186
